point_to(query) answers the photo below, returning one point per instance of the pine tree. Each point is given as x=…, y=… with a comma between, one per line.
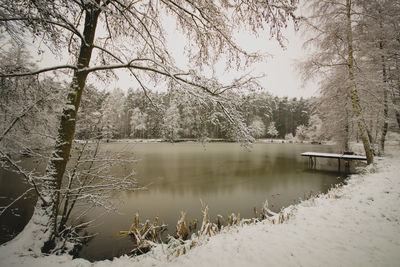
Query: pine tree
x=272, y=131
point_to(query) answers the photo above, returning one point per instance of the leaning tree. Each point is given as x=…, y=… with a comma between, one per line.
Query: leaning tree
x=332, y=25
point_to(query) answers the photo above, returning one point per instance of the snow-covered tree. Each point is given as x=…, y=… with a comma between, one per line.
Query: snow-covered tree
x=314, y=129
x=90, y=118
x=272, y=131
x=112, y=123
x=149, y=104
x=333, y=24
x=289, y=137
x=28, y=106
x=356, y=51
x=171, y=123
x=301, y=133
x=335, y=110
x=257, y=128
x=138, y=123
x=125, y=34
x=377, y=33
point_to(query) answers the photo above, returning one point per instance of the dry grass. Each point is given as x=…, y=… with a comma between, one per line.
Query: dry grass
x=146, y=235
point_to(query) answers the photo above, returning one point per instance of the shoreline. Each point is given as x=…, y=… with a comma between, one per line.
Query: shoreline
x=357, y=224
x=190, y=140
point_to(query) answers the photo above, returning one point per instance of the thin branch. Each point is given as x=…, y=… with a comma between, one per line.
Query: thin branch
x=326, y=65
x=27, y=177
x=70, y=27
x=145, y=68
x=30, y=73
x=130, y=70
x=24, y=112
x=3, y=209
x=86, y=180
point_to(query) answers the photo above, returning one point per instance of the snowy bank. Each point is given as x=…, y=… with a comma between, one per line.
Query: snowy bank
x=354, y=225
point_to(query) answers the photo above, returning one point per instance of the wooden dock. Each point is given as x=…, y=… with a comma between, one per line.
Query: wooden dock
x=314, y=155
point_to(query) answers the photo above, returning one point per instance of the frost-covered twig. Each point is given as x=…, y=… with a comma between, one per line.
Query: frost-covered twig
x=35, y=72
x=3, y=209
x=20, y=116
x=27, y=176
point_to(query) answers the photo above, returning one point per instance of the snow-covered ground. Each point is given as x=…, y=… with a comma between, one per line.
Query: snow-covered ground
x=354, y=225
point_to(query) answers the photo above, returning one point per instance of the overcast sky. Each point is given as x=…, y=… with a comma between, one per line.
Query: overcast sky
x=282, y=78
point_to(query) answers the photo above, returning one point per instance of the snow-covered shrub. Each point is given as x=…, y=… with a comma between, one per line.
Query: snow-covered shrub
x=289, y=137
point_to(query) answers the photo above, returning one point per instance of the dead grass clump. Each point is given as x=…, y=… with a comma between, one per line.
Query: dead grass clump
x=187, y=236
x=182, y=230
x=207, y=227
x=145, y=235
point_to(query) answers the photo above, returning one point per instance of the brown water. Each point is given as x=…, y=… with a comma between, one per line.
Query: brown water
x=225, y=176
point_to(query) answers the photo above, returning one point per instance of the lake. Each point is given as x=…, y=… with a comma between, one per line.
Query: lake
x=225, y=176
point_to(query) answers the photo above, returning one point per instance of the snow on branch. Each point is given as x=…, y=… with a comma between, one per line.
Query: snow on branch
x=27, y=176
x=68, y=26
x=3, y=209
x=24, y=112
x=35, y=72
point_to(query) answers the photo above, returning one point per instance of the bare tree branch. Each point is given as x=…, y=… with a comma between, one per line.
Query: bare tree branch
x=27, y=176
x=24, y=112
x=35, y=72
x=5, y=208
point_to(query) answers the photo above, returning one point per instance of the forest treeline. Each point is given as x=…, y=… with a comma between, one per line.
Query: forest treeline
x=173, y=115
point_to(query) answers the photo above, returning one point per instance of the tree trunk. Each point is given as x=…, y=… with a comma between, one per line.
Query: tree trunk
x=398, y=118
x=346, y=145
x=385, y=105
x=57, y=164
x=353, y=88
x=396, y=95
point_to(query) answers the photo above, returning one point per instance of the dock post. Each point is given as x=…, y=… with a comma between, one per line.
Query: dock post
x=348, y=166
x=312, y=162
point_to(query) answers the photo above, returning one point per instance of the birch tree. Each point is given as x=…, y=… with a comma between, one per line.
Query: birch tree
x=272, y=131
x=334, y=106
x=257, y=128
x=91, y=113
x=105, y=35
x=378, y=34
x=314, y=129
x=333, y=24
x=138, y=123
x=301, y=133
x=171, y=122
x=353, y=86
x=112, y=123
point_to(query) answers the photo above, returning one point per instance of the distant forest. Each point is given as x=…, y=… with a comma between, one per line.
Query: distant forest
x=173, y=115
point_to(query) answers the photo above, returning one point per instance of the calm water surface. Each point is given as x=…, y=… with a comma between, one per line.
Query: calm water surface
x=225, y=176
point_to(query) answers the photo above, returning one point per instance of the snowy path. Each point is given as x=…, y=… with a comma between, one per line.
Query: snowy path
x=356, y=225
